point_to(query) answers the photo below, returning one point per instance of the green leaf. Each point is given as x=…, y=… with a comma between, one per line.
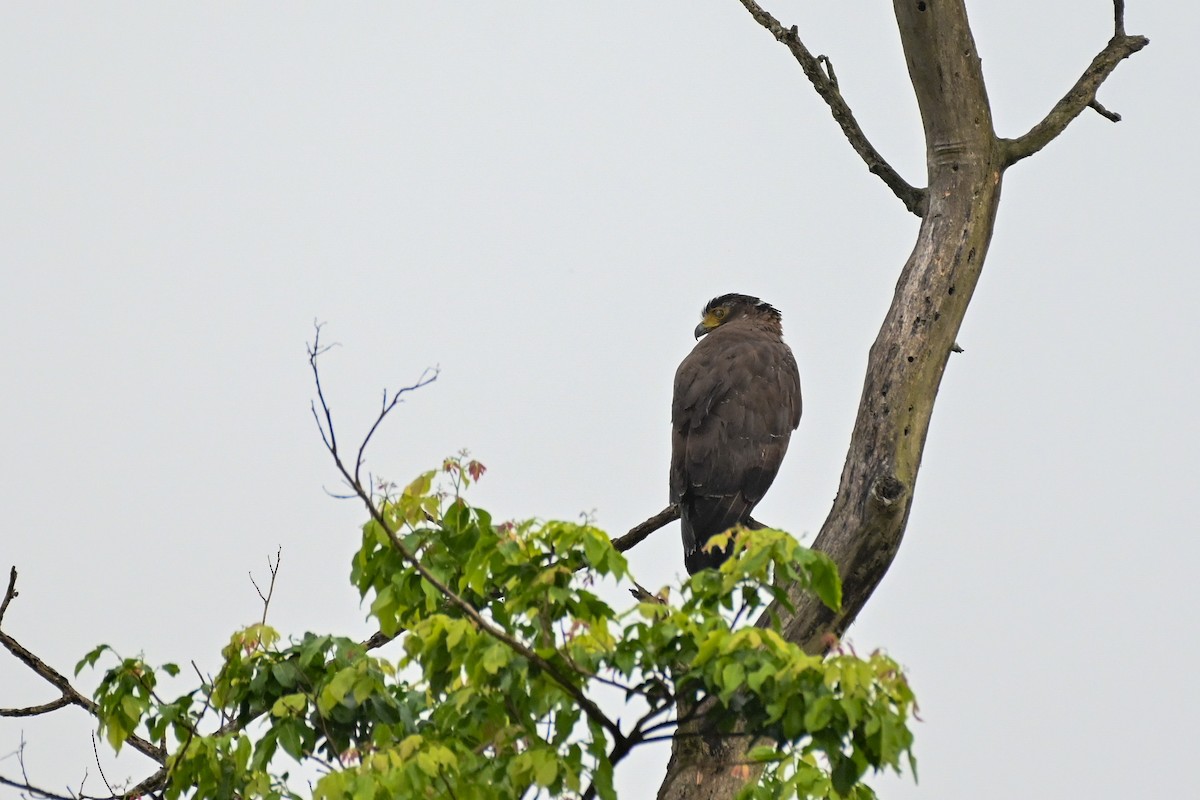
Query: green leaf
x=427, y=764
x=289, y=704
x=420, y=485
x=818, y=714
x=285, y=674
x=545, y=768
x=595, y=549
x=335, y=691
x=732, y=676
x=845, y=774
x=132, y=707
x=756, y=679
x=602, y=778
x=765, y=753
x=824, y=579
x=455, y=630
x=116, y=732
x=495, y=658
x=91, y=658
x=290, y=739
x=364, y=687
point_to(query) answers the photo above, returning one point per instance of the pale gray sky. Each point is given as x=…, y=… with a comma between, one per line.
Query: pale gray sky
x=539, y=197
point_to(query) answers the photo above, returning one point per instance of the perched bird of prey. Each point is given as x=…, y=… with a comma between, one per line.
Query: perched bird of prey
x=737, y=401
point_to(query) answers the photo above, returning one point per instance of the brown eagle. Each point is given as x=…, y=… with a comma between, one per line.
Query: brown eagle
x=737, y=401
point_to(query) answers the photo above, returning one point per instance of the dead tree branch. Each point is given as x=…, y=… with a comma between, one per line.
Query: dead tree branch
x=1082, y=95
x=70, y=696
x=825, y=82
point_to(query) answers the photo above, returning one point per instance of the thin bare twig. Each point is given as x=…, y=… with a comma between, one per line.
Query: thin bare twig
x=274, y=570
x=427, y=377
x=314, y=352
x=825, y=82
x=1082, y=95
x=324, y=418
x=10, y=593
x=103, y=777
x=1111, y=116
x=30, y=790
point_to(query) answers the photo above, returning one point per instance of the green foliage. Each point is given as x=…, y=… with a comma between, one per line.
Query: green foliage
x=125, y=697
x=503, y=647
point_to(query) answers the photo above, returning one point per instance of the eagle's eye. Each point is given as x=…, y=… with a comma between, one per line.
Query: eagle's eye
x=719, y=313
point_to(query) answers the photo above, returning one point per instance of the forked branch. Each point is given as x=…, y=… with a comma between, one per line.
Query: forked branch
x=68, y=694
x=1082, y=95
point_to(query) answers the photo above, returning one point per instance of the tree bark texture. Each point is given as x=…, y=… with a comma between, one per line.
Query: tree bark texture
x=864, y=528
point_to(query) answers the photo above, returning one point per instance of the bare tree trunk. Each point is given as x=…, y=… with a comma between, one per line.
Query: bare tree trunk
x=904, y=371
x=965, y=162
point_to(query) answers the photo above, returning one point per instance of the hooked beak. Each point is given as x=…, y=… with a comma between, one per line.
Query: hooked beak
x=701, y=329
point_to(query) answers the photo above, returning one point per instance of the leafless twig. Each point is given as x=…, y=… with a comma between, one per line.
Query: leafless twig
x=324, y=418
x=103, y=777
x=273, y=568
x=1111, y=116
x=427, y=377
x=28, y=789
x=10, y=593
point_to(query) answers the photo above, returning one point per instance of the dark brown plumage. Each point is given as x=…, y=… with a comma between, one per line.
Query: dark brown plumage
x=737, y=401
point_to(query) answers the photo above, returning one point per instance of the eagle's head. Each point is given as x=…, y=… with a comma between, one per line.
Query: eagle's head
x=728, y=307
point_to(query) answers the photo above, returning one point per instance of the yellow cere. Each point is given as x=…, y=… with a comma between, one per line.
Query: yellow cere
x=713, y=318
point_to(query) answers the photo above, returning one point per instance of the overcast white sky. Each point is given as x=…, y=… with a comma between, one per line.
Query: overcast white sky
x=539, y=197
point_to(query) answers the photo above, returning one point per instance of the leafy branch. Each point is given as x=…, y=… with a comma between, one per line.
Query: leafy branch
x=353, y=480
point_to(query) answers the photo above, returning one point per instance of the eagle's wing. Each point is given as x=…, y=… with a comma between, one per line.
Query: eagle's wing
x=736, y=403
